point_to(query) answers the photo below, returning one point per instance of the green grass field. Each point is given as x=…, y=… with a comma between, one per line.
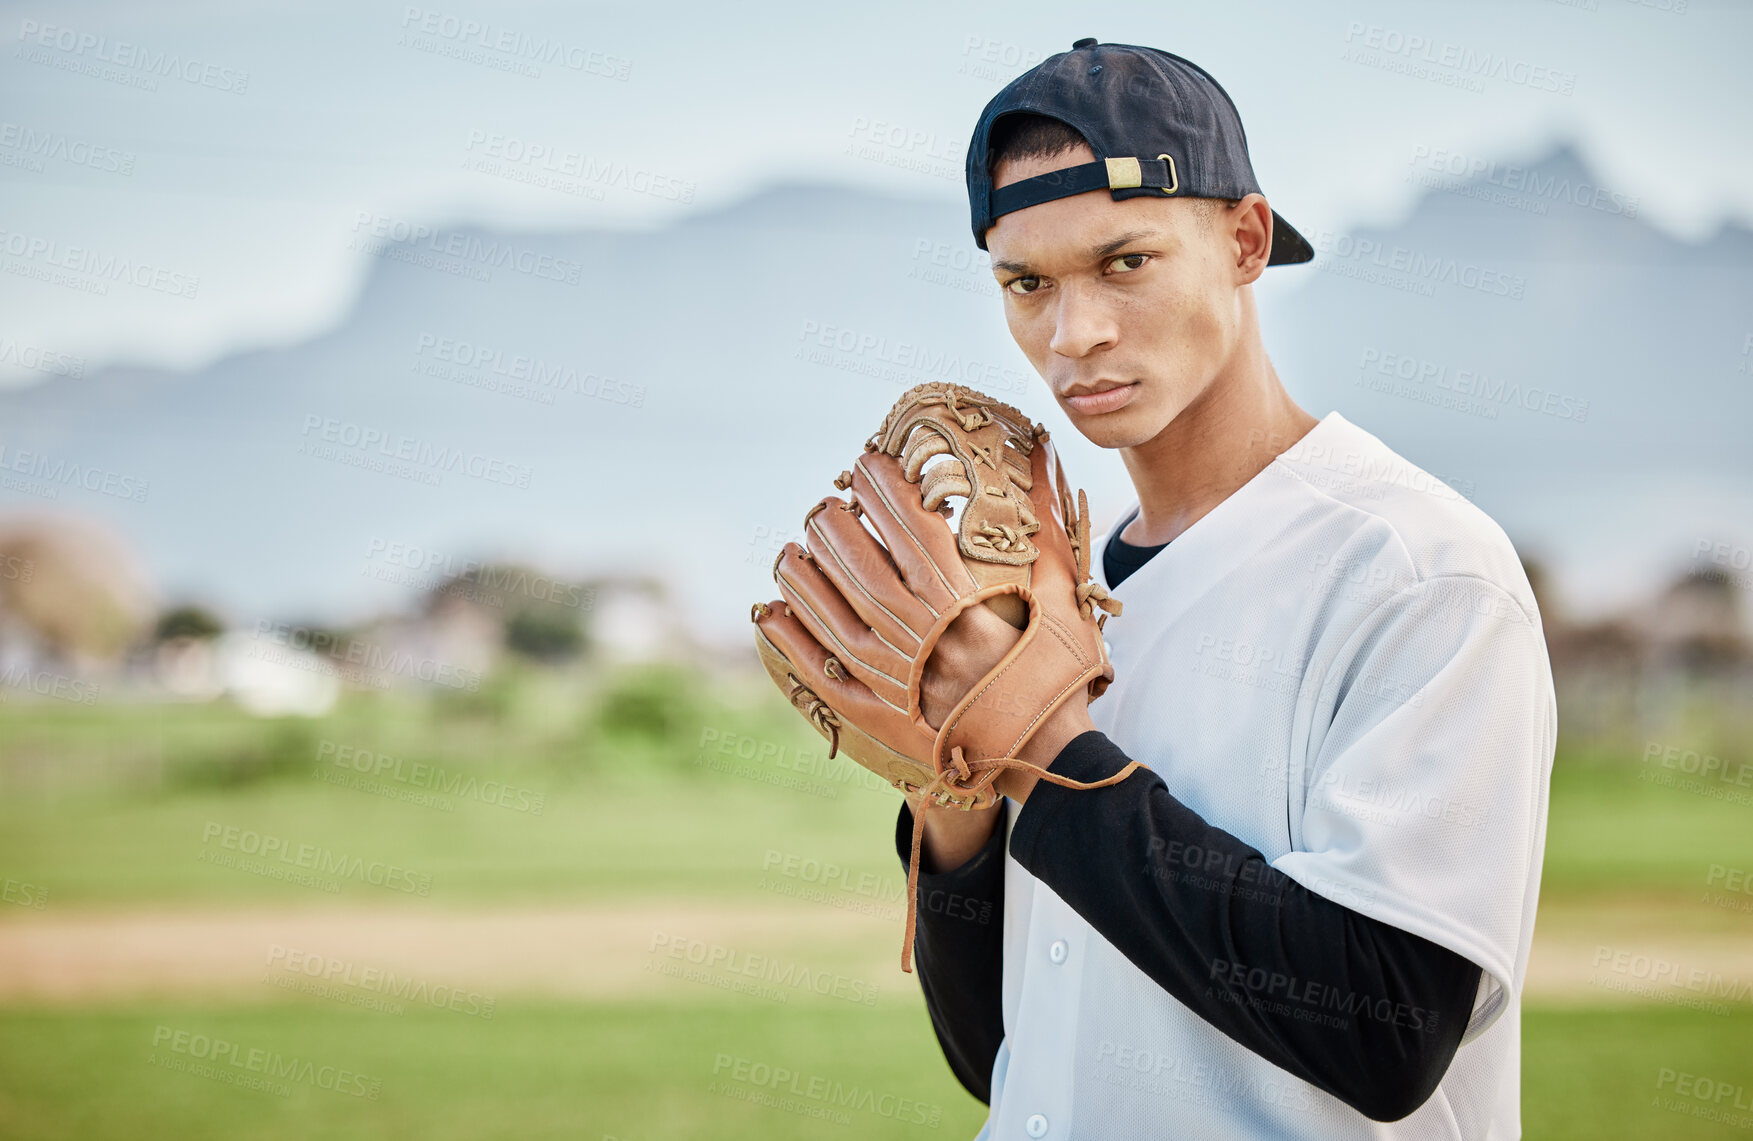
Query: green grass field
x=641, y=1071
x=113, y=808
x=677, y=811
x=635, y=1072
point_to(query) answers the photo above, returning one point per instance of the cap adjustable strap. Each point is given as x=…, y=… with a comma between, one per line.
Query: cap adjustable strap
x=1104, y=174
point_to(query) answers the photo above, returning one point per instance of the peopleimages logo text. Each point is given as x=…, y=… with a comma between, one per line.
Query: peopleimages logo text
x=315, y=858
x=421, y=453
x=490, y=253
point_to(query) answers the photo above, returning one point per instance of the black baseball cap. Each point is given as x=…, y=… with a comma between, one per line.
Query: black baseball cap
x=1157, y=123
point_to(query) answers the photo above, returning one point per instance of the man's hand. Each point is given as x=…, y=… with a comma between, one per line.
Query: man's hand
x=967, y=651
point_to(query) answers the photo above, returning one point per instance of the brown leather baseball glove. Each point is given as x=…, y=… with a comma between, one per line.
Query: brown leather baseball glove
x=848, y=644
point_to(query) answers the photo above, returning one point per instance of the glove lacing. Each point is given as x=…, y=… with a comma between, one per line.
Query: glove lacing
x=956, y=778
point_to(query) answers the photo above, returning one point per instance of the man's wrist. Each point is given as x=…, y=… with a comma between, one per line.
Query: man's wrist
x=1069, y=722
x=953, y=836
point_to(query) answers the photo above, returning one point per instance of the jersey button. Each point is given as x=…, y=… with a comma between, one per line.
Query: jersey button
x=1056, y=953
x=1036, y=1126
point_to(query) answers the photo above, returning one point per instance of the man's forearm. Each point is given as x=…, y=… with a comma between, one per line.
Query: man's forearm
x=958, y=948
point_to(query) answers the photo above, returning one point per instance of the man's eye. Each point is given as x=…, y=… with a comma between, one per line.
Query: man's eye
x=1126, y=263
x=1028, y=283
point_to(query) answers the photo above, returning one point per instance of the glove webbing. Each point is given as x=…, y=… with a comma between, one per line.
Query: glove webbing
x=954, y=778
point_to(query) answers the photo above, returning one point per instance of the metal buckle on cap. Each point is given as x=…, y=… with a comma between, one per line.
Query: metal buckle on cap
x=1124, y=173
x=1174, y=178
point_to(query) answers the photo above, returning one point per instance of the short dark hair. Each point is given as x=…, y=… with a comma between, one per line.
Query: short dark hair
x=1027, y=135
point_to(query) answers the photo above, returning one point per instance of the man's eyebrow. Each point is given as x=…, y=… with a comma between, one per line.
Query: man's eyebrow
x=1094, y=253
x=1107, y=248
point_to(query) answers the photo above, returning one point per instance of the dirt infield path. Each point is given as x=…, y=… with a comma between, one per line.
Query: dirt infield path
x=1643, y=950
x=677, y=948
x=597, y=952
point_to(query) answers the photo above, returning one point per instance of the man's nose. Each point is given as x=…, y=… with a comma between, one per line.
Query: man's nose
x=1082, y=324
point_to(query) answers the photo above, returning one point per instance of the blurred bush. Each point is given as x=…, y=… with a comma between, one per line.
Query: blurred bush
x=650, y=716
x=282, y=747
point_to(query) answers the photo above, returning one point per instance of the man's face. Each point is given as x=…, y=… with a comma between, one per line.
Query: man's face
x=1135, y=297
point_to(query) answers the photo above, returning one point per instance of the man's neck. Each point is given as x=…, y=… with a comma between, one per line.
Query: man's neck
x=1226, y=437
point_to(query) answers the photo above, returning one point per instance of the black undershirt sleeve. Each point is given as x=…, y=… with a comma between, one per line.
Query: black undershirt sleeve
x=958, y=954
x=1366, y=1011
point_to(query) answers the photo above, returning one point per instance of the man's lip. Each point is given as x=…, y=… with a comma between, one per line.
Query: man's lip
x=1102, y=402
x=1100, y=386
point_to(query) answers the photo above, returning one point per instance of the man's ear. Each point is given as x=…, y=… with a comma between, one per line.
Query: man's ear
x=1250, y=224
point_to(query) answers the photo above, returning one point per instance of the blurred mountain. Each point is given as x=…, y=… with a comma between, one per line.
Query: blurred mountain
x=593, y=402
x=1585, y=378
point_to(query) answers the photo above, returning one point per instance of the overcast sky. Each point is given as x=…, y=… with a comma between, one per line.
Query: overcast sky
x=225, y=153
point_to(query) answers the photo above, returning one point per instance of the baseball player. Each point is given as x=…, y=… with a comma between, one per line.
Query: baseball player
x=1308, y=915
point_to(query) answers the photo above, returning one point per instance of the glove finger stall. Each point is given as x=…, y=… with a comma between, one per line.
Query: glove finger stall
x=843, y=710
x=919, y=541
x=824, y=611
x=866, y=577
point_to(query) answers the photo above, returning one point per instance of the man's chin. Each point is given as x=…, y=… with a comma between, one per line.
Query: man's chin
x=1123, y=428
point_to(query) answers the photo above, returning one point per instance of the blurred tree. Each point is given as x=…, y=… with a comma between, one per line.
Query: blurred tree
x=72, y=586
x=1540, y=582
x=190, y=621
x=538, y=616
x=1697, y=624
x=544, y=635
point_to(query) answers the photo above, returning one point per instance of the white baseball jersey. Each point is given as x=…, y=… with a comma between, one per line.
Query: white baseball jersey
x=1342, y=665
